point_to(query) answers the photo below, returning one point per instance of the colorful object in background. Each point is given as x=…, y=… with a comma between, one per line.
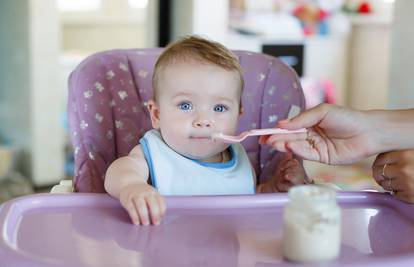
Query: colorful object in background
x=359, y=7
x=318, y=91
x=365, y=8
x=312, y=18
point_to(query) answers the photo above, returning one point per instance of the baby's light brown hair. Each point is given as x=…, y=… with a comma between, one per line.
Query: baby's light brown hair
x=195, y=48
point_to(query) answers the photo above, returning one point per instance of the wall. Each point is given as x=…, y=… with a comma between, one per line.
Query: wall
x=47, y=136
x=91, y=37
x=114, y=25
x=14, y=74
x=369, y=62
x=326, y=58
x=401, y=93
x=206, y=18
x=32, y=92
x=29, y=108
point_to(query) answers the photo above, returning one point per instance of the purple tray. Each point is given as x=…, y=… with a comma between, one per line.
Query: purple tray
x=93, y=230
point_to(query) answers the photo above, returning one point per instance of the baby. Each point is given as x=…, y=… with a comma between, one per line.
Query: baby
x=197, y=87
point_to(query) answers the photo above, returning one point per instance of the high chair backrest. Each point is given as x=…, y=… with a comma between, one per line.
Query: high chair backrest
x=107, y=111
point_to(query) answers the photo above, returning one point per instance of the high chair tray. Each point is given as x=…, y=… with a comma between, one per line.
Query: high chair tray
x=93, y=230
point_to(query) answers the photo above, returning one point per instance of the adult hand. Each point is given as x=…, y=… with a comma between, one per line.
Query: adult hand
x=336, y=135
x=394, y=171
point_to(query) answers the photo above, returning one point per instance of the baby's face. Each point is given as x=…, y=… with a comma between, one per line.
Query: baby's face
x=195, y=100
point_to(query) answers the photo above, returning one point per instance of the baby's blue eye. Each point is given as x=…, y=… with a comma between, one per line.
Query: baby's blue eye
x=220, y=108
x=185, y=106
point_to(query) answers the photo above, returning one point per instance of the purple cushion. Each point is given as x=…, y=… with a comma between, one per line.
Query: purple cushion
x=109, y=90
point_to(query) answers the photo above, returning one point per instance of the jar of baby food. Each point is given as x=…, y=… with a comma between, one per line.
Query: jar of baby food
x=312, y=224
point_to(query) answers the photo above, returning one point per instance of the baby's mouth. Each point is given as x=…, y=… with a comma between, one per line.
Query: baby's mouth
x=201, y=137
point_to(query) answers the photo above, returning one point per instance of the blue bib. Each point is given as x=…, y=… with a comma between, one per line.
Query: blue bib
x=174, y=174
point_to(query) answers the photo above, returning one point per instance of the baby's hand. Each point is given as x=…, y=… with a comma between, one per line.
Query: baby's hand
x=288, y=173
x=142, y=203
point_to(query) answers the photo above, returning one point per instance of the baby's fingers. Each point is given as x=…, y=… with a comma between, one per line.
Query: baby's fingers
x=132, y=212
x=290, y=164
x=287, y=157
x=161, y=204
x=283, y=186
x=294, y=177
x=154, y=209
x=142, y=209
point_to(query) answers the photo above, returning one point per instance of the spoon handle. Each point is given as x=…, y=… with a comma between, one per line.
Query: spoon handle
x=270, y=131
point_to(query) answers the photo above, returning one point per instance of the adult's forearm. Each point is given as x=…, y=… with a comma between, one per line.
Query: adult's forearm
x=394, y=129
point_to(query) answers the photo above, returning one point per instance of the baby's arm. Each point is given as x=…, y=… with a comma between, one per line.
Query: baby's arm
x=126, y=179
x=289, y=173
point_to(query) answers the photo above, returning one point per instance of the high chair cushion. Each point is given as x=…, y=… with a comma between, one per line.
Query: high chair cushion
x=108, y=94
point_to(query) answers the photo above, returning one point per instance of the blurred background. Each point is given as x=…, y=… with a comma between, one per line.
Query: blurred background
x=350, y=52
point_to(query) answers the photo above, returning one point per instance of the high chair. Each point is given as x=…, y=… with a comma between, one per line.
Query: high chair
x=108, y=94
x=107, y=115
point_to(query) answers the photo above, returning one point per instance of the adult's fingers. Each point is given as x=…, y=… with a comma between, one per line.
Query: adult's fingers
x=312, y=134
x=386, y=171
x=386, y=158
x=306, y=119
x=303, y=149
x=282, y=137
x=279, y=146
x=395, y=185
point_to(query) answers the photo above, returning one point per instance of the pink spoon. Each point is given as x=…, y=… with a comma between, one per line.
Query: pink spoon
x=230, y=139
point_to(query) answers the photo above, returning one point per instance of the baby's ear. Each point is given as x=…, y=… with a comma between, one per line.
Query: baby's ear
x=154, y=111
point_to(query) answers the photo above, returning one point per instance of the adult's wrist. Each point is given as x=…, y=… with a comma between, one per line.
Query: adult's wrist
x=393, y=129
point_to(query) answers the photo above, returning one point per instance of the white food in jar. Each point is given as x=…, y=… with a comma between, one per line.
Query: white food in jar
x=312, y=224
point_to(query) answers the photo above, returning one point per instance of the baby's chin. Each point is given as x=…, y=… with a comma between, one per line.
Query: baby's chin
x=208, y=157
x=200, y=151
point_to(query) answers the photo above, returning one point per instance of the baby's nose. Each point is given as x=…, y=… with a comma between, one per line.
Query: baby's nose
x=202, y=123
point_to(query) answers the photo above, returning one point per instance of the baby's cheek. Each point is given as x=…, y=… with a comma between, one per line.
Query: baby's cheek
x=228, y=121
x=180, y=144
x=177, y=142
